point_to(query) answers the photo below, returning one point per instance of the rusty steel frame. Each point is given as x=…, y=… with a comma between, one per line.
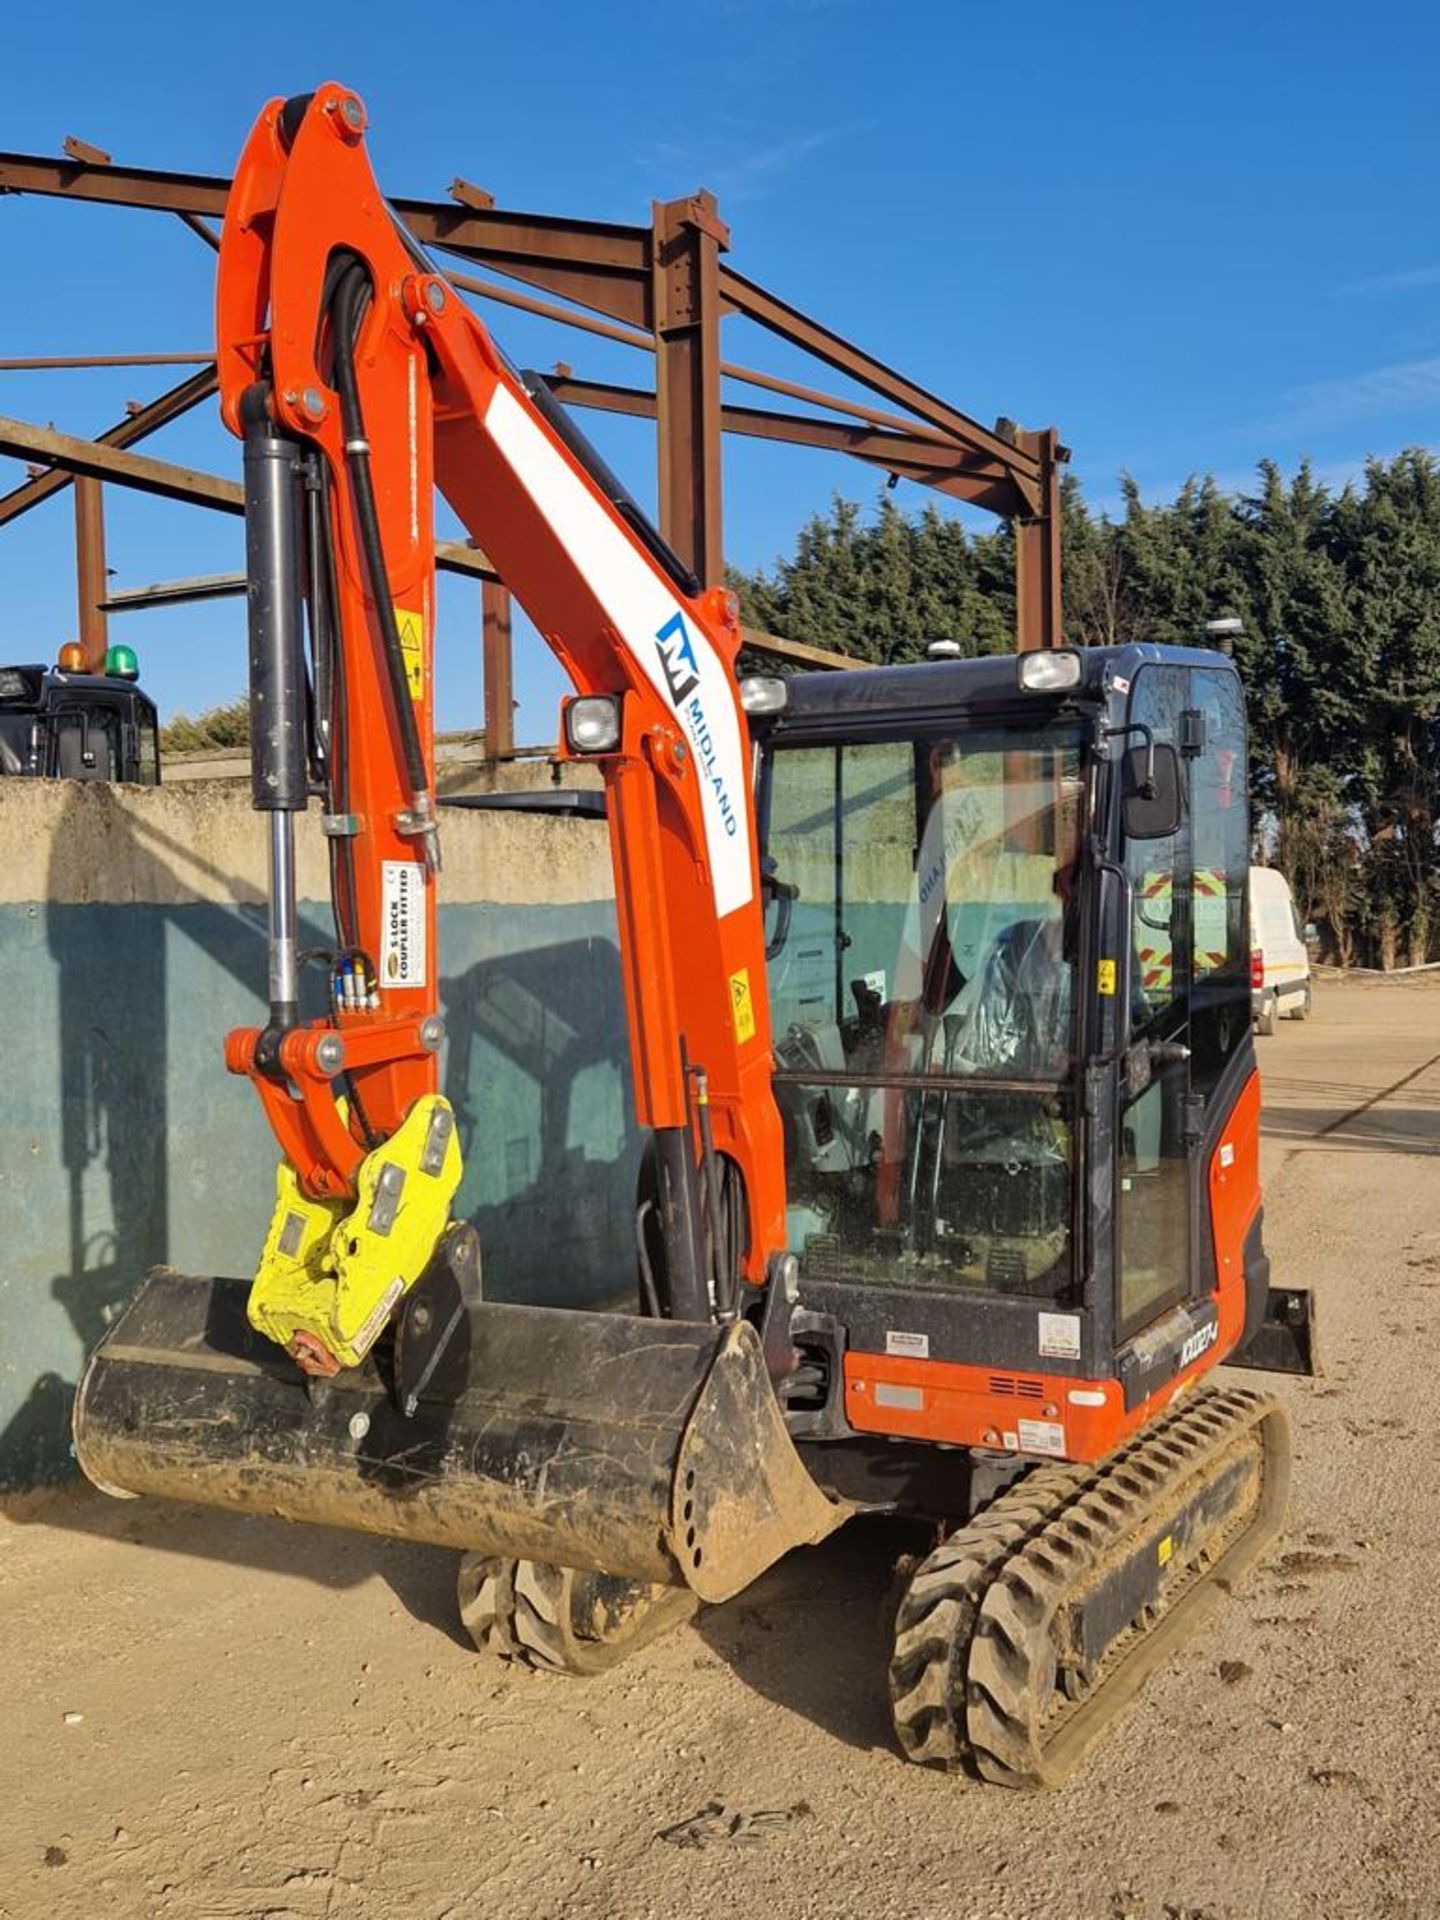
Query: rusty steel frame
x=90, y=577
x=498, y=659
x=135, y=426
x=664, y=289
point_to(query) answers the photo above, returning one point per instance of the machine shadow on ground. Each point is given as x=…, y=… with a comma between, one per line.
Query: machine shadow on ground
x=813, y=1634
x=1406, y=1130
x=421, y=1578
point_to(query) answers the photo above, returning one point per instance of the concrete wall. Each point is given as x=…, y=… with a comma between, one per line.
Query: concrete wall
x=132, y=937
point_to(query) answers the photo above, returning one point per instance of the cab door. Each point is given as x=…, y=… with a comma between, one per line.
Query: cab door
x=1154, y=1203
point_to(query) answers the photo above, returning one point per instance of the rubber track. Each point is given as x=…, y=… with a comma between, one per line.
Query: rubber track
x=936, y=1617
x=524, y=1610
x=972, y=1680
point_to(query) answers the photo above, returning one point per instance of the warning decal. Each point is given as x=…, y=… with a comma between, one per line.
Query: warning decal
x=402, y=924
x=1105, y=983
x=412, y=645
x=1059, y=1336
x=742, y=1006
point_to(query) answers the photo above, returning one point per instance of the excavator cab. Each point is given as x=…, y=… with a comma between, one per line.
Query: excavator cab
x=1008, y=969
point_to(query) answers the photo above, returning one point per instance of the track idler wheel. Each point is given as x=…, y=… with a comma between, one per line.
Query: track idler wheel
x=562, y=1620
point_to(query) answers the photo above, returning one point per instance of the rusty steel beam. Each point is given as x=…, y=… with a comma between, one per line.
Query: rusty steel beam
x=796, y=653
x=135, y=426
x=644, y=343
x=662, y=288
x=76, y=179
x=206, y=232
x=743, y=296
x=610, y=263
x=52, y=363
x=97, y=460
x=596, y=263
x=495, y=613
x=939, y=464
x=458, y=556
x=730, y=370
x=90, y=576
x=1039, y=602
x=176, y=593
x=686, y=306
x=547, y=310
x=812, y=396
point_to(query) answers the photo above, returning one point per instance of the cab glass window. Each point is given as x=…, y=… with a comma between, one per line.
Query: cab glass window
x=922, y=966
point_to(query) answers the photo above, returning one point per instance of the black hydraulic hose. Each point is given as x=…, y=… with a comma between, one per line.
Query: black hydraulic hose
x=714, y=1201
x=325, y=614
x=649, y=1292
x=321, y=689
x=342, y=845
x=352, y=297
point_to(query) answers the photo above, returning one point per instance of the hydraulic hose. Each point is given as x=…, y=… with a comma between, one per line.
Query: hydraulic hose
x=352, y=296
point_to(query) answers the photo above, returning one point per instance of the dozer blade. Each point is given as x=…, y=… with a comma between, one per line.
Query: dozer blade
x=652, y=1449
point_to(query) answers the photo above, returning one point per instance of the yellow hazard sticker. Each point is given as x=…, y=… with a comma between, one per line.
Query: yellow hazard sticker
x=742, y=1006
x=1106, y=981
x=412, y=645
x=1165, y=1549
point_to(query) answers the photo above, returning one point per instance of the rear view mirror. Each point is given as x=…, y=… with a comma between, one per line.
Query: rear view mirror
x=1150, y=802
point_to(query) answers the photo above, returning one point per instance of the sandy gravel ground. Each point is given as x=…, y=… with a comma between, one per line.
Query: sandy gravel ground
x=213, y=1716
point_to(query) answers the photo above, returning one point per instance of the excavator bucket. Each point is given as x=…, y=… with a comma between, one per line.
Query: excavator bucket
x=650, y=1449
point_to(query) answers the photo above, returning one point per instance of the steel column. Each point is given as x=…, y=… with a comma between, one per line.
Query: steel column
x=688, y=238
x=90, y=577
x=1039, y=604
x=499, y=698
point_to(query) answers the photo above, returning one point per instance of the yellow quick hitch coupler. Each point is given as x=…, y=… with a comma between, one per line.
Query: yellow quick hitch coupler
x=329, y=1281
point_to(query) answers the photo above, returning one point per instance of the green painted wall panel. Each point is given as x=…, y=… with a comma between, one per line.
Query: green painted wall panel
x=124, y=1143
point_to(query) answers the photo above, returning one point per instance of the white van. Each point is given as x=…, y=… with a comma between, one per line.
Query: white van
x=1279, y=957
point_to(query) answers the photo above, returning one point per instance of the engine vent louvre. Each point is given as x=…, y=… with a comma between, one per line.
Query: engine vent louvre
x=1017, y=1387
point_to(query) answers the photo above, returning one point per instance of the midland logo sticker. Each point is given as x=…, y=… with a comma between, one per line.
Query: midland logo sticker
x=682, y=676
x=677, y=656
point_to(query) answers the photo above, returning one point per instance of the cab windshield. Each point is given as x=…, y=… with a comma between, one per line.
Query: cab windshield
x=922, y=966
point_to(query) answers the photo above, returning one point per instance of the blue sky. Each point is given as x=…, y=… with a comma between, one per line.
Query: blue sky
x=1189, y=237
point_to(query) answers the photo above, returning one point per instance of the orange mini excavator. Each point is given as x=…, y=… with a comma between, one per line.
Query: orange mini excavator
x=950, y=1203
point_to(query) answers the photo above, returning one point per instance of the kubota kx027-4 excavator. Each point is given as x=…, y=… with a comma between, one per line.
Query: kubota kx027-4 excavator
x=951, y=1199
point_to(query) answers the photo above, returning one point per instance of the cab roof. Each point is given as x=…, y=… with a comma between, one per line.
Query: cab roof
x=935, y=689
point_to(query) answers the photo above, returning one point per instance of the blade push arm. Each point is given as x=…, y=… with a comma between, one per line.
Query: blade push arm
x=371, y=365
